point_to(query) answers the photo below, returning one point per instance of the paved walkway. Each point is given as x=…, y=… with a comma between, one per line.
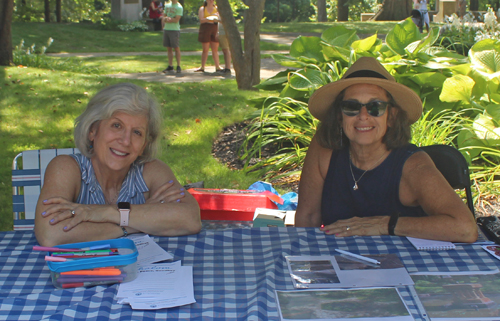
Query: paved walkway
x=268, y=68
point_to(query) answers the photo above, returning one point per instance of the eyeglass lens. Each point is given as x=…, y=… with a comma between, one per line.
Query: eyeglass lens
x=375, y=108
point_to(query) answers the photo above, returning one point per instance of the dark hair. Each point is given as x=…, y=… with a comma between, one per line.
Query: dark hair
x=330, y=134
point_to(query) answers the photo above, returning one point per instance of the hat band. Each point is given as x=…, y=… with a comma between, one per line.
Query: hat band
x=365, y=73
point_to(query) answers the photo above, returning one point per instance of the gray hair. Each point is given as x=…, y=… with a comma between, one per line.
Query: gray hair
x=124, y=97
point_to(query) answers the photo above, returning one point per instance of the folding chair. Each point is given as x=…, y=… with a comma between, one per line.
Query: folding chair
x=452, y=164
x=27, y=181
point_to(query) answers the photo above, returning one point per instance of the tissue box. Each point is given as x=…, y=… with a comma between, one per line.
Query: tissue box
x=230, y=204
x=99, y=270
x=264, y=217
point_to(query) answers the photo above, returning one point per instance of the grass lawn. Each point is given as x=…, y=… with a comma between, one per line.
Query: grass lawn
x=38, y=108
x=76, y=37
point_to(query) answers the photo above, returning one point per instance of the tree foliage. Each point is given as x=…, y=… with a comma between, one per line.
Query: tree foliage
x=71, y=10
x=289, y=10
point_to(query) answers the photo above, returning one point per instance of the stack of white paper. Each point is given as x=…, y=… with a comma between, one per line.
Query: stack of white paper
x=149, y=251
x=158, y=286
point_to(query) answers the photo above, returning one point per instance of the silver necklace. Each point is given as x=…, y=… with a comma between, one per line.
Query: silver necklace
x=355, y=187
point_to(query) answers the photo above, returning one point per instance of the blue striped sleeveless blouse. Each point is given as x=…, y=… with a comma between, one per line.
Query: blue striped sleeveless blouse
x=131, y=191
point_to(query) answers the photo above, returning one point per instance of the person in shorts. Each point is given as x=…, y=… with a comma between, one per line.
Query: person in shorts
x=171, y=33
x=207, y=35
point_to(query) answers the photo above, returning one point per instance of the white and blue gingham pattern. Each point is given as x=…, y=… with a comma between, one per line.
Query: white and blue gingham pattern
x=235, y=273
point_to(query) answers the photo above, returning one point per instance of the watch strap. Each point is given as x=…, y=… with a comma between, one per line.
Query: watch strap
x=392, y=222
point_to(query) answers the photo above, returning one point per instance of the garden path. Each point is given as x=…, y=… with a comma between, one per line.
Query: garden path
x=268, y=69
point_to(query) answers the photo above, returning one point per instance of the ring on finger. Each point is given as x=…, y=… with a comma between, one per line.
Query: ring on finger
x=162, y=201
x=73, y=213
x=347, y=228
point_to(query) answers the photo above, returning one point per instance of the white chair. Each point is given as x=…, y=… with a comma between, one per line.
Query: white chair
x=27, y=180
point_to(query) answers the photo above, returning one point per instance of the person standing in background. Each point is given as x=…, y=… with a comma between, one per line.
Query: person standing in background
x=171, y=33
x=207, y=35
x=155, y=11
x=224, y=46
x=424, y=11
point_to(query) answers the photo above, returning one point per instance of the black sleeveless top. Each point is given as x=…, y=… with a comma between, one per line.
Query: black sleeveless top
x=378, y=189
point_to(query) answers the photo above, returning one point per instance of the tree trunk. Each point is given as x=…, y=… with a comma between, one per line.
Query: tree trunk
x=322, y=16
x=246, y=60
x=394, y=10
x=6, y=11
x=342, y=10
x=58, y=11
x=47, y=10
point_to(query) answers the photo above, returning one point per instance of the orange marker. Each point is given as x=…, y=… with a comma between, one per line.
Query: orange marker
x=97, y=271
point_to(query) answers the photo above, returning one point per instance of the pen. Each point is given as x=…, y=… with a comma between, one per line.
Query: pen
x=55, y=259
x=109, y=251
x=78, y=284
x=58, y=249
x=91, y=278
x=110, y=271
x=367, y=259
x=53, y=249
x=83, y=254
x=74, y=256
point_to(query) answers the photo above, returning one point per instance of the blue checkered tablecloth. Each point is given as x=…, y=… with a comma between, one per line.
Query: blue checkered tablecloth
x=235, y=274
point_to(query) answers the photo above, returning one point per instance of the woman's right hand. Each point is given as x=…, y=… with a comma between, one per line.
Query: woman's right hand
x=60, y=209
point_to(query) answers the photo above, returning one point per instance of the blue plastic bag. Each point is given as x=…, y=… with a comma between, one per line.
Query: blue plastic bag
x=290, y=199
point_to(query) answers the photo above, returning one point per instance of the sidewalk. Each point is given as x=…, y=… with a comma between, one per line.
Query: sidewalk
x=268, y=69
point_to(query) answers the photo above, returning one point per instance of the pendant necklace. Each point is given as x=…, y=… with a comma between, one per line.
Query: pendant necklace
x=355, y=187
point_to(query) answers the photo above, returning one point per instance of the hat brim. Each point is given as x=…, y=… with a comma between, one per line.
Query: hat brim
x=323, y=98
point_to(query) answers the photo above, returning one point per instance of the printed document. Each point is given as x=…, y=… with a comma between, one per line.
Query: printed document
x=158, y=286
x=149, y=250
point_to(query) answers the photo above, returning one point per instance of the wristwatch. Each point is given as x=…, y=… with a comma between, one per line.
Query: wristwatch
x=124, y=208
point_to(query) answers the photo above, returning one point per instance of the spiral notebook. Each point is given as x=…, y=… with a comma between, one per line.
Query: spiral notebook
x=430, y=245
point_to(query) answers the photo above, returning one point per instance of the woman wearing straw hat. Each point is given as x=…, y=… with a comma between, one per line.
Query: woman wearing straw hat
x=361, y=175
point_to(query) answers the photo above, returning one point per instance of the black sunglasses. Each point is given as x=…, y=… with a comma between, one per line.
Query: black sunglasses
x=352, y=108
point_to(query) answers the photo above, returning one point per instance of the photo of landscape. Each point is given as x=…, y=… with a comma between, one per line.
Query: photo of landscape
x=460, y=296
x=342, y=304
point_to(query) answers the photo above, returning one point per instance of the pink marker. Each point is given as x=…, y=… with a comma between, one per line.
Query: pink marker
x=55, y=259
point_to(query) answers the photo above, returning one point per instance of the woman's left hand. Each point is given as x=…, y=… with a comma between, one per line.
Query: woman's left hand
x=375, y=225
x=167, y=193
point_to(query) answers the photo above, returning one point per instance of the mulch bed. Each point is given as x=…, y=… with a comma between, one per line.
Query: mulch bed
x=226, y=148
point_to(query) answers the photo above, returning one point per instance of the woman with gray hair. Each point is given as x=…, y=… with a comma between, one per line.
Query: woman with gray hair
x=115, y=186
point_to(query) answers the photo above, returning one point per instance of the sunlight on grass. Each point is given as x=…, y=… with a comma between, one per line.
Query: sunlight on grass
x=39, y=108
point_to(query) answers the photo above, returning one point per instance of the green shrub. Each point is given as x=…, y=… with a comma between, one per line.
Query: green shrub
x=31, y=57
x=460, y=94
x=138, y=25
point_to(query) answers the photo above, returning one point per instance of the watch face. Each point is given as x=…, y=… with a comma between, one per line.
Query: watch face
x=124, y=205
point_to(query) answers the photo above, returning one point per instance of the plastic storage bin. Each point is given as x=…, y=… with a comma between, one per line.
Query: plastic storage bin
x=230, y=204
x=96, y=270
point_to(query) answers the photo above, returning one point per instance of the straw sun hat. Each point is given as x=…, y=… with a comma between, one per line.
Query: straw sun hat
x=366, y=70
